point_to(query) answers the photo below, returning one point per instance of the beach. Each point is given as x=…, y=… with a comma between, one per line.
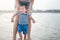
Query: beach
x=47, y=26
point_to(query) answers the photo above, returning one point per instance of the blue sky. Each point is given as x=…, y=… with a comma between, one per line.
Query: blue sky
x=38, y=4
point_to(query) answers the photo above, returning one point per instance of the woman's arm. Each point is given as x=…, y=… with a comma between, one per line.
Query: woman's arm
x=31, y=3
x=30, y=7
x=16, y=2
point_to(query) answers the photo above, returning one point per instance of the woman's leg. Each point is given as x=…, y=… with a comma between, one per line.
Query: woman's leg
x=15, y=28
x=15, y=25
x=29, y=28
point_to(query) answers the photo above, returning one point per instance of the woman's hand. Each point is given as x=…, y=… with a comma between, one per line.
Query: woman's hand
x=31, y=4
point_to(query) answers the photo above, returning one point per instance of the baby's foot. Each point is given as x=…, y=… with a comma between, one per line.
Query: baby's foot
x=29, y=39
x=14, y=39
x=19, y=39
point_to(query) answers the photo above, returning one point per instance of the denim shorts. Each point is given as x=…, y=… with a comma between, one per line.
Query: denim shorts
x=23, y=28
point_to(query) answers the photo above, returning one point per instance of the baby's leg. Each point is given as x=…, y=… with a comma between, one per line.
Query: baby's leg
x=25, y=30
x=24, y=37
x=20, y=34
x=20, y=29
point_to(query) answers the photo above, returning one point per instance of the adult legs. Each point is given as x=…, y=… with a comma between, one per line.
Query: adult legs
x=15, y=27
x=29, y=27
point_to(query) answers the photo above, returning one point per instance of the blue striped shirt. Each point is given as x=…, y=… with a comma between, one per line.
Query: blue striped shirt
x=23, y=18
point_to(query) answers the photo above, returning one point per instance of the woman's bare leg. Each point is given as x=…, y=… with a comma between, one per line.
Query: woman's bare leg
x=15, y=28
x=29, y=28
x=15, y=24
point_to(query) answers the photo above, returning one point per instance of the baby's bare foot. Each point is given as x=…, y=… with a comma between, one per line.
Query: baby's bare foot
x=19, y=39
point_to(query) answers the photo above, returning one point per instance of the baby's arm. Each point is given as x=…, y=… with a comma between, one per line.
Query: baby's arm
x=12, y=19
x=33, y=20
x=30, y=18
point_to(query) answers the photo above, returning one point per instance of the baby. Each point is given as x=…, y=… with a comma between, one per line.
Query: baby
x=23, y=18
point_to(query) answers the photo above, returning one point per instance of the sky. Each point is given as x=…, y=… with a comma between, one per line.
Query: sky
x=38, y=4
x=46, y=4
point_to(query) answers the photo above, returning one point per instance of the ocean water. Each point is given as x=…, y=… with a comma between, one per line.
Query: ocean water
x=46, y=26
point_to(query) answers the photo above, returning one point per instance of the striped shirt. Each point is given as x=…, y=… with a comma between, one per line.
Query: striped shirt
x=23, y=18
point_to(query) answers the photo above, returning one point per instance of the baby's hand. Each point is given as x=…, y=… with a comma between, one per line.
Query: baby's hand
x=33, y=21
x=12, y=20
